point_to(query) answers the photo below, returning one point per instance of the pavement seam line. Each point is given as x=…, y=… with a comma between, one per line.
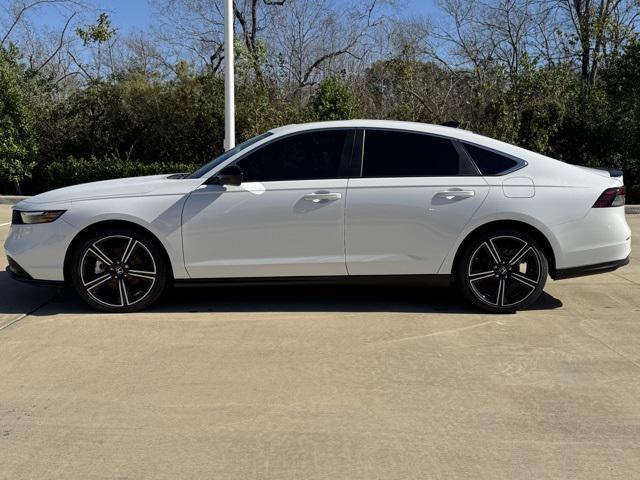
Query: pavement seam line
x=621, y=354
x=445, y=332
x=615, y=274
x=25, y=315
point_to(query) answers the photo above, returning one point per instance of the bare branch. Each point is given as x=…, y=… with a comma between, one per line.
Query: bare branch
x=60, y=43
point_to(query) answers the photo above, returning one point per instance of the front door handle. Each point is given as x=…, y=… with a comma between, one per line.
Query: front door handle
x=453, y=194
x=317, y=197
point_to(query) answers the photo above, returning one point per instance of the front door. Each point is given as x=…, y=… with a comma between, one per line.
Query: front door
x=414, y=197
x=286, y=219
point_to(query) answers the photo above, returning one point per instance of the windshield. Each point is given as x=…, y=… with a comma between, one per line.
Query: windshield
x=227, y=155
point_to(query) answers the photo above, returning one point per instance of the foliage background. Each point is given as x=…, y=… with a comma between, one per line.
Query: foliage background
x=85, y=102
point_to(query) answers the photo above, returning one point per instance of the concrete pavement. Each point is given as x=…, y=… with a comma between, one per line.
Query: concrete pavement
x=323, y=383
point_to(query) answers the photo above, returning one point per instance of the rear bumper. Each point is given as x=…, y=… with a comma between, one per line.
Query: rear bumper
x=585, y=270
x=603, y=236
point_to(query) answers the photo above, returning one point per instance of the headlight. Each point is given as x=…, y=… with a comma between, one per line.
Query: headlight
x=29, y=218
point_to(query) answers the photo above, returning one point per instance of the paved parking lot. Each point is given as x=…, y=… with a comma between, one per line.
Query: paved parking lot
x=323, y=383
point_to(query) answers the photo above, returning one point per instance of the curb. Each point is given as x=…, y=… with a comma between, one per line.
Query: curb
x=13, y=199
x=10, y=199
x=632, y=209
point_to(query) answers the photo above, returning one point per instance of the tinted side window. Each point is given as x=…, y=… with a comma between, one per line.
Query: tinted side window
x=404, y=154
x=307, y=156
x=488, y=162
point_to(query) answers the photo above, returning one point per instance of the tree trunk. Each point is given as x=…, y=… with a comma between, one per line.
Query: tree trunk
x=16, y=185
x=586, y=60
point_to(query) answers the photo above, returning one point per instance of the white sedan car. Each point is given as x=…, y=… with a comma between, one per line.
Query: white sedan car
x=353, y=201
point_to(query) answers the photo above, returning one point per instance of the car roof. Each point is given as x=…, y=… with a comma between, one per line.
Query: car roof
x=389, y=124
x=440, y=130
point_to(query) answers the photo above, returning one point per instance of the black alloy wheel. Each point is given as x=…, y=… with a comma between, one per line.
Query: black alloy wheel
x=502, y=271
x=121, y=271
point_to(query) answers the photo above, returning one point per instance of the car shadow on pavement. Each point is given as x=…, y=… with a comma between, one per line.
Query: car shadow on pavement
x=307, y=298
x=303, y=298
x=18, y=298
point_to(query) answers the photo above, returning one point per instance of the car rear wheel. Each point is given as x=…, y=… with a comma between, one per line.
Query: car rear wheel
x=119, y=270
x=502, y=271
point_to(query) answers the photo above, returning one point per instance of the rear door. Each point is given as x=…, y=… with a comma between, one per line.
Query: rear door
x=415, y=194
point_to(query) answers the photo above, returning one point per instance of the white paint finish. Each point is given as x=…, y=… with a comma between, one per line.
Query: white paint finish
x=160, y=214
x=565, y=217
x=40, y=249
x=602, y=235
x=401, y=226
x=122, y=187
x=393, y=226
x=518, y=187
x=5, y=224
x=265, y=229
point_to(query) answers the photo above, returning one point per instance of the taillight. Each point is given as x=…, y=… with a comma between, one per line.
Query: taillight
x=611, y=197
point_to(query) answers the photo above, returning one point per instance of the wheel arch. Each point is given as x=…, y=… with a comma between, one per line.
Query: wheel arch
x=106, y=224
x=540, y=237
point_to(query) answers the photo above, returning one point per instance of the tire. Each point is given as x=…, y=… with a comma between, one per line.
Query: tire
x=119, y=270
x=502, y=271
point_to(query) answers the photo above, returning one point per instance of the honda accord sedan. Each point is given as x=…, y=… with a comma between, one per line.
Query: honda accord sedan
x=337, y=202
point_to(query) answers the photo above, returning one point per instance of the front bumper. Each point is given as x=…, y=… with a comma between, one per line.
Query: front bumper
x=585, y=270
x=16, y=272
x=40, y=249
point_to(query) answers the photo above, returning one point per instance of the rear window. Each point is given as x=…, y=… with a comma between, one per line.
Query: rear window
x=490, y=162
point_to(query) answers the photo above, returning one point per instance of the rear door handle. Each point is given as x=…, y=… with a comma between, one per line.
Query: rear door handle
x=453, y=194
x=317, y=197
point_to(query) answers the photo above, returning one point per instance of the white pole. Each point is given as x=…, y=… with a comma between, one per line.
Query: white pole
x=229, y=78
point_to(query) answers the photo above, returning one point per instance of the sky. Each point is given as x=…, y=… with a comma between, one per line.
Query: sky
x=132, y=15
x=126, y=15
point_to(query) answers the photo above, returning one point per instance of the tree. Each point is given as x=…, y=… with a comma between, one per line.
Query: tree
x=98, y=34
x=599, y=28
x=17, y=137
x=195, y=28
x=332, y=101
x=44, y=50
x=313, y=39
x=622, y=84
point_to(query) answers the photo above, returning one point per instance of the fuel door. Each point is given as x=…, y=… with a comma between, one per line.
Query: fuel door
x=518, y=187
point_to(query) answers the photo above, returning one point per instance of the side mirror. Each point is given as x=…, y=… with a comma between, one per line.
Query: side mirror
x=229, y=175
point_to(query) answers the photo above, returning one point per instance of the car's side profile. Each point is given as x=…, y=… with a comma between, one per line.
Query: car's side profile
x=355, y=201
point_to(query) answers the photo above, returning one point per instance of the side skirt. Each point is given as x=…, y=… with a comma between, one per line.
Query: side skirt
x=391, y=280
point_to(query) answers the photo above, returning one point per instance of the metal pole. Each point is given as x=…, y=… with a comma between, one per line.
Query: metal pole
x=229, y=78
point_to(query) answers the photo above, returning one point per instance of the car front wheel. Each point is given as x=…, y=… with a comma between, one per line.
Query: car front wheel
x=502, y=271
x=118, y=271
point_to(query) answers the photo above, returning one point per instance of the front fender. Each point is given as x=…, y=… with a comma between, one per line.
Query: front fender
x=160, y=215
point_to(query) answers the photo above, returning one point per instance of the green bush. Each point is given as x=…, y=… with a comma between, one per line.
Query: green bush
x=137, y=117
x=17, y=137
x=71, y=171
x=332, y=101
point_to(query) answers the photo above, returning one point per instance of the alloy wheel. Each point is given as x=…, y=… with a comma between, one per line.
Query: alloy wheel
x=504, y=271
x=118, y=271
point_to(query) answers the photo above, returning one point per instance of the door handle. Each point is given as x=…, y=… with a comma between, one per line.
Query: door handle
x=317, y=197
x=453, y=194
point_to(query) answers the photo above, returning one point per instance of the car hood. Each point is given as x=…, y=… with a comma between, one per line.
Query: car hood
x=121, y=187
